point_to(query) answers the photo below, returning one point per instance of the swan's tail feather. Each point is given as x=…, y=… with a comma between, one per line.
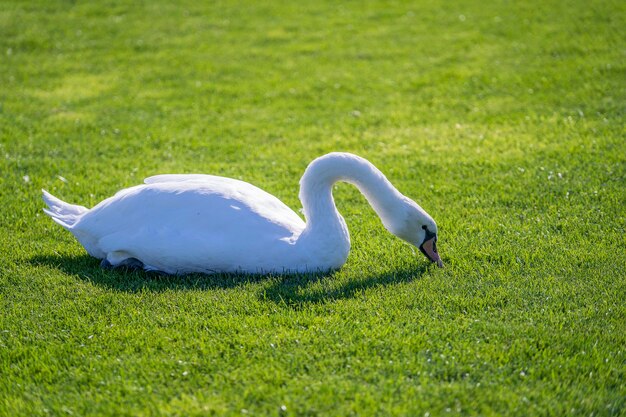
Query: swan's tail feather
x=61, y=212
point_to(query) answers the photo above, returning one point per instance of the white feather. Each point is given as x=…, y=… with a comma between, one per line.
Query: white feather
x=203, y=223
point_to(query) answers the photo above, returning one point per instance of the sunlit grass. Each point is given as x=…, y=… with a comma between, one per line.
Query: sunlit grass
x=503, y=120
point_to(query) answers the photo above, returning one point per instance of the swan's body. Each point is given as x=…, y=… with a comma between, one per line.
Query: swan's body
x=202, y=223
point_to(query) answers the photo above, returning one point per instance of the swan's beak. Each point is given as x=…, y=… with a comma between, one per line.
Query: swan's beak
x=429, y=249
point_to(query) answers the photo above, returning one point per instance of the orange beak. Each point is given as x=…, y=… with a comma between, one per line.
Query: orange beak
x=429, y=248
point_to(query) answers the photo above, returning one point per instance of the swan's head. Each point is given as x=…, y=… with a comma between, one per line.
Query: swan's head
x=416, y=226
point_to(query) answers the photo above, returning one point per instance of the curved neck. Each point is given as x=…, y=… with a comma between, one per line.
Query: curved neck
x=316, y=191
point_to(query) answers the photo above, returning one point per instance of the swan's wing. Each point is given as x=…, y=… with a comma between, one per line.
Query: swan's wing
x=178, y=177
x=189, y=224
x=260, y=201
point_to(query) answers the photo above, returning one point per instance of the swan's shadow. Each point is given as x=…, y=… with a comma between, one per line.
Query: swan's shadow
x=290, y=290
x=296, y=290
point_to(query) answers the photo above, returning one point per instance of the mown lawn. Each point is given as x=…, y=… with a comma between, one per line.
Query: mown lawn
x=504, y=120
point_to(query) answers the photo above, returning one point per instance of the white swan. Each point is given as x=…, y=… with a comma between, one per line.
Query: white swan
x=202, y=223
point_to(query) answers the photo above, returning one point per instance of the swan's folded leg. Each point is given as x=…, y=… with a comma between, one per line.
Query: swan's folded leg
x=122, y=258
x=131, y=263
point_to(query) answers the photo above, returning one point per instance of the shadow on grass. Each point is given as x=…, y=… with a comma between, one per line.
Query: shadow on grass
x=297, y=290
x=290, y=290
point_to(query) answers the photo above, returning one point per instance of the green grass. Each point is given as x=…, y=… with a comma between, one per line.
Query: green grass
x=504, y=120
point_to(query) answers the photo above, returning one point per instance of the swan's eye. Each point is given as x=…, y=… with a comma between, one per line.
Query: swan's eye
x=425, y=227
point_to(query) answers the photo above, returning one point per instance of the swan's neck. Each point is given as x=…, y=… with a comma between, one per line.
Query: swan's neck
x=323, y=219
